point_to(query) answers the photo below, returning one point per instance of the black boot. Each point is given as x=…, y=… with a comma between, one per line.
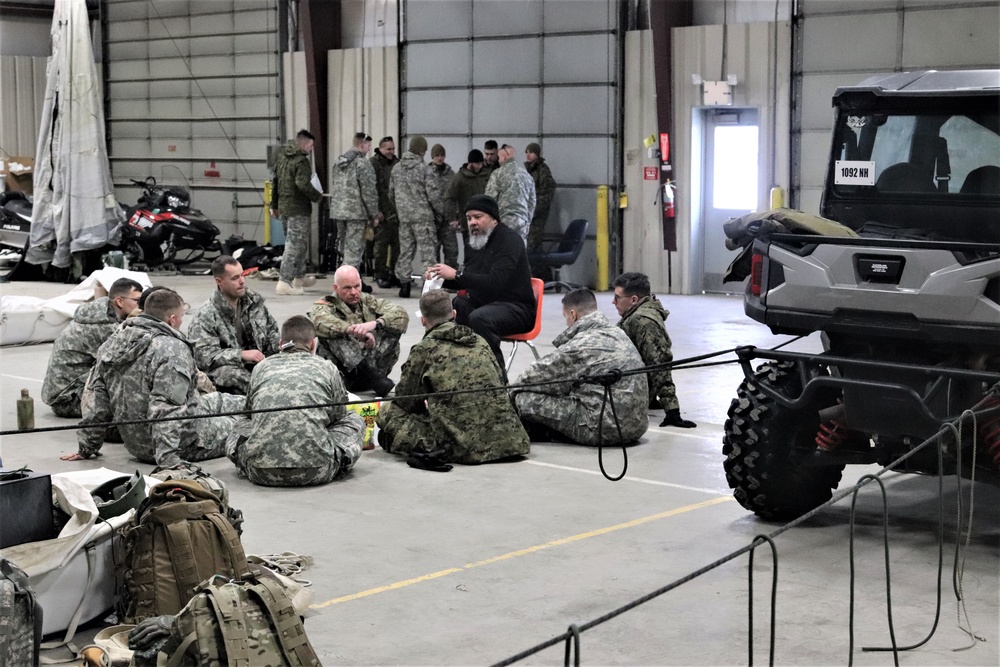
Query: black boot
x=372, y=378
x=366, y=288
x=404, y=291
x=673, y=418
x=384, y=282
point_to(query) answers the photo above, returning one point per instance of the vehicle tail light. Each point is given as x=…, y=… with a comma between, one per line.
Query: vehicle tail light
x=756, y=274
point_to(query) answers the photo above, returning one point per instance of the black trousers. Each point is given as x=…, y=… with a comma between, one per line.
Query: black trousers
x=494, y=320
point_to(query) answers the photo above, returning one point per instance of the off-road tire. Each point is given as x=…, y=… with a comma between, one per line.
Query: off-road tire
x=766, y=446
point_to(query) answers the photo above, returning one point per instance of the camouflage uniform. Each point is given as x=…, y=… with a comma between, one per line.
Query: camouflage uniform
x=464, y=184
x=446, y=239
x=410, y=189
x=73, y=355
x=353, y=201
x=644, y=325
x=590, y=347
x=387, y=232
x=219, y=333
x=471, y=428
x=146, y=371
x=545, y=189
x=296, y=447
x=292, y=195
x=332, y=317
x=513, y=188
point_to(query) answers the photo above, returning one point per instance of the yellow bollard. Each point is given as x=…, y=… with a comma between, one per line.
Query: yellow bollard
x=602, y=238
x=777, y=197
x=267, y=212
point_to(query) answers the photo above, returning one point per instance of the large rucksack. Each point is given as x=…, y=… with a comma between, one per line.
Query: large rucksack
x=208, y=481
x=179, y=537
x=249, y=621
x=20, y=618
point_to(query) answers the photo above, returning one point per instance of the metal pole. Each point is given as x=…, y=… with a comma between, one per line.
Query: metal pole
x=602, y=238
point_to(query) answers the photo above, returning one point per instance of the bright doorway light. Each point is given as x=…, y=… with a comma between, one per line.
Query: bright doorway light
x=735, y=165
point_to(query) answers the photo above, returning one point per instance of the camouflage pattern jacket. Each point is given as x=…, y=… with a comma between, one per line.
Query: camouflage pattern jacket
x=644, y=325
x=144, y=371
x=294, y=438
x=293, y=191
x=332, y=316
x=75, y=350
x=353, y=188
x=545, y=186
x=411, y=188
x=441, y=178
x=514, y=189
x=592, y=346
x=383, y=171
x=472, y=428
x=464, y=185
x=217, y=338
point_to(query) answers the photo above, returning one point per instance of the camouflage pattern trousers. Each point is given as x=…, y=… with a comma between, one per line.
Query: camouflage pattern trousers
x=345, y=442
x=447, y=242
x=212, y=431
x=352, y=233
x=233, y=378
x=347, y=352
x=293, y=260
x=386, y=246
x=415, y=239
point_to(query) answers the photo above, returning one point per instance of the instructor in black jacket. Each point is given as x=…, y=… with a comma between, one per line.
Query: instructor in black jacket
x=496, y=276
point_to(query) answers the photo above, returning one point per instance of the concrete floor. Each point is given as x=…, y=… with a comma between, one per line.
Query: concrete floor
x=420, y=568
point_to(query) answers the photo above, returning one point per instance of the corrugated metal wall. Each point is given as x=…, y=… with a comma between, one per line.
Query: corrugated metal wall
x=843, y=42
x=193, y=87
x=517, y=72
x=364, y=96
x=752, y=50
x=22, y=94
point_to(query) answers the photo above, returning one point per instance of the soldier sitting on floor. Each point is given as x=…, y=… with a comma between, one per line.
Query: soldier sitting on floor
x=359, y=332
x=233, y=330
x=464, y=428
x=591, y=345
x=75, y=350
x=296, y=447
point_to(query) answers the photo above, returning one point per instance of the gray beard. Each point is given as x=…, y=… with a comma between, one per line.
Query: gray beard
x=478, y=241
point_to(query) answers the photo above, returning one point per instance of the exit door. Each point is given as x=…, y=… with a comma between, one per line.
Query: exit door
x=730, y=157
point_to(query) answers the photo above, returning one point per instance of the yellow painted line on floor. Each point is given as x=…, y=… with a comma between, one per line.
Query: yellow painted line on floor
x=641, y=480
x=524, y=552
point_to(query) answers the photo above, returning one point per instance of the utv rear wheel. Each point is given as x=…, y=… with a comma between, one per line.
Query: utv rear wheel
x=769, y=448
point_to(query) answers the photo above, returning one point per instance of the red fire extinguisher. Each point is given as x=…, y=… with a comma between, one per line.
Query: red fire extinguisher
x=668, y=199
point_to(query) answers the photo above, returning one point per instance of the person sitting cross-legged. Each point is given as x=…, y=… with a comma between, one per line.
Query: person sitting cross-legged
x=359, y=332
x=571, y=409
x=302, y=447
x=464, y=427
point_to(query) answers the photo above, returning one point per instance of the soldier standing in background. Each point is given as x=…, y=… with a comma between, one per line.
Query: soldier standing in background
x=514, y=189
x=292, y=202
x=469, y=428
x=75, y=350
x=545, y=189
x=233, y=330
x=442, y=174
x=296, y=447
x=359, y=332
x=590, y=345
x=354, y=198
x=387, y=232
x=643, y=320
x=411, y=189
x=491, y=155
x=146, y=371
x=470, y=180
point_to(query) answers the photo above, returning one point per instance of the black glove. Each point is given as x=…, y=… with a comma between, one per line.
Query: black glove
x=150, y=631
x=673, y=418
x=429, y=461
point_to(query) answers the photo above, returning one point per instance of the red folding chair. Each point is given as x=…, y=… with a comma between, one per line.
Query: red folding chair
x=538, y=287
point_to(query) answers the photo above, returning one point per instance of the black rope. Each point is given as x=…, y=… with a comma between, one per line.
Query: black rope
x=572, y=648
x=607, y=381
x=774, y=596
x=888, y=579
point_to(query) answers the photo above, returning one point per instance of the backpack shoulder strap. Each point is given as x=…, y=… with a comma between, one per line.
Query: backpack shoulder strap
x=287, y=624
x=231, y=614
x=237, y=557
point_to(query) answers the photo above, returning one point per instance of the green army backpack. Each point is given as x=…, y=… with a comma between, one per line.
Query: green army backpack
x=20, y=618
x=179, y=537
x=244, y=622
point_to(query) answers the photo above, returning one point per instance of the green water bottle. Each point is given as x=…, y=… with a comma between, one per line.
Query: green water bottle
x=25, y=412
